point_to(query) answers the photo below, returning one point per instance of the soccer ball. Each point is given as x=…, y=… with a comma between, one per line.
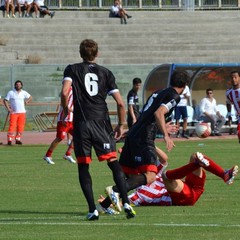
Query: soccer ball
x=203, y=130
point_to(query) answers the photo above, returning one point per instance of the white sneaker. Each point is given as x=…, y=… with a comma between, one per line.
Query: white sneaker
x=93, y=216
x=69, y=158
x=48, y=160
x=114, y=197
x=130, y=213
x=108, y=210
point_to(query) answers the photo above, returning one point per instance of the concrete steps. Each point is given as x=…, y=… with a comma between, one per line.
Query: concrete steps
x=150, y=37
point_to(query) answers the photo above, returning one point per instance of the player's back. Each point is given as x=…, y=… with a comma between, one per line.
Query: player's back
x=91, y=83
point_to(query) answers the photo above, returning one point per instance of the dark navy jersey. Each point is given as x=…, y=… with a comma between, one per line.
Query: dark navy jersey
x=91, y=84
x=132, y=99
x=146, y=128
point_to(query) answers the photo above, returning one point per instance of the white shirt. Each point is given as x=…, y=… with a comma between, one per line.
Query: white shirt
x=208, y=106
x=115, y=9
x=184, y=101
x=17, y=100
x=39, y=2
x=21, y=2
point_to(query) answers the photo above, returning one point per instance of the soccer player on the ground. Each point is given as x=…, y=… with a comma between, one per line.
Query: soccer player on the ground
x=139, y=158
x=64, y=127
x=233, y=97
x=182, y=186
x=92, y=127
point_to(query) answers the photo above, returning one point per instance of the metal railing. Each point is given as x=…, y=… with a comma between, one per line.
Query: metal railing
x=145, y=4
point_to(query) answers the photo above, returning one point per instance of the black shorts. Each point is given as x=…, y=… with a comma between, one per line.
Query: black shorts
x=138, y=157
x=97, y=134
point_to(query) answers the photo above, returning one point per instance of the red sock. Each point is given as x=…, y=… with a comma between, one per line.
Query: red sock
x=49, y=153
x=69, y=151
x=181, y=172
x=214, y=168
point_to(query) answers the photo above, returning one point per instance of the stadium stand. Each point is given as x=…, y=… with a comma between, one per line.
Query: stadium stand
x=151, y=37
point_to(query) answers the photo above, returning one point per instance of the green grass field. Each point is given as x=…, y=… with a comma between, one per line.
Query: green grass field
x=40, y=201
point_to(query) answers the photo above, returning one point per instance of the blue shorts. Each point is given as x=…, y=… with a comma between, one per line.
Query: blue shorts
x=181, y=112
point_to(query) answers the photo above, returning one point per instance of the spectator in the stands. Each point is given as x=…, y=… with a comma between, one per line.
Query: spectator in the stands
x=21, y=7
x=9, y=6
x=39, y=6
x=210, y=113
x=118, y=11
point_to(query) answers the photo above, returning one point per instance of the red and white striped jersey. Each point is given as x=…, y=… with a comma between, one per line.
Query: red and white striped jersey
x=233, y=96
x=154, y=194
x=69, y=117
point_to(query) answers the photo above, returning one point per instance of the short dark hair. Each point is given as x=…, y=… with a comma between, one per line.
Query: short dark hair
x=209, y=90
x=179, y=79
x=234, y=71
x=136, y=81
x=88, y=49
x=18, y=81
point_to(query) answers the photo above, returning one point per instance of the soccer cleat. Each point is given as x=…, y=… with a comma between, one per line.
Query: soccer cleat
x=52, y=14
x=93, y=216
x=184, y=135
x=108, y=210
x=48, y=160
x=130, y=213
x=9, y=143
x=19, y=142
x=114, y=197
x=69, y=158
x=203, y=162
x=230, y=174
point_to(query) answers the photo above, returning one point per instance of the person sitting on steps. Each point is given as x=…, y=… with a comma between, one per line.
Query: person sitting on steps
x=118, y=11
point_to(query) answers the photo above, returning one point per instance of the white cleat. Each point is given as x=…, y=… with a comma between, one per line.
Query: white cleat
x=69, y=158
x=203, y=162
x=108, y=210
x=48, y=160
x=114, y=197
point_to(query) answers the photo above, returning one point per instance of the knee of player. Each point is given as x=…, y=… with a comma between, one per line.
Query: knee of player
x=150, y=177
x=193, y=157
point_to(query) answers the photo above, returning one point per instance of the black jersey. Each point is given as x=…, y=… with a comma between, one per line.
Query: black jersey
x=91, y=84
x=132, y=99
x=146, y=128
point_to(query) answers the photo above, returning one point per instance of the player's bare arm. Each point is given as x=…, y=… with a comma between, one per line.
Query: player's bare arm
x=121, y=115
x=64, y=96
x=160, y=119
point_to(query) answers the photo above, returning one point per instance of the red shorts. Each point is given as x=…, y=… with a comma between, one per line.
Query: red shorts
x=63, y=129
x=192, y=190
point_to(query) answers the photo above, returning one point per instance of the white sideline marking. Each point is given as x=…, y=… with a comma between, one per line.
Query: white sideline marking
x=87, y=223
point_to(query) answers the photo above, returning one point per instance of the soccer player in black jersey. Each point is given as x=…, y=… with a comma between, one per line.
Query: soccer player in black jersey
x=138, y=157
x=133, y=103
x=91, y=83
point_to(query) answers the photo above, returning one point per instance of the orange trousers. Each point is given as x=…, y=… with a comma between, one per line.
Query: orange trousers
x=16, y=124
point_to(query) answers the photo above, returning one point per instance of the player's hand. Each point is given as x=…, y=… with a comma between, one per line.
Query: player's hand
x=118, y=132
x=169, y=143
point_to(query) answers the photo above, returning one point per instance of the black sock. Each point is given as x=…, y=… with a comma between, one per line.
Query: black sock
x=119, y=178
x=131, y=183
x=85, y=181
x=106, y=202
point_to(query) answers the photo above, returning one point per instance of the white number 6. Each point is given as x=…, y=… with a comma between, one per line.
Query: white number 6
x=91, y=84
